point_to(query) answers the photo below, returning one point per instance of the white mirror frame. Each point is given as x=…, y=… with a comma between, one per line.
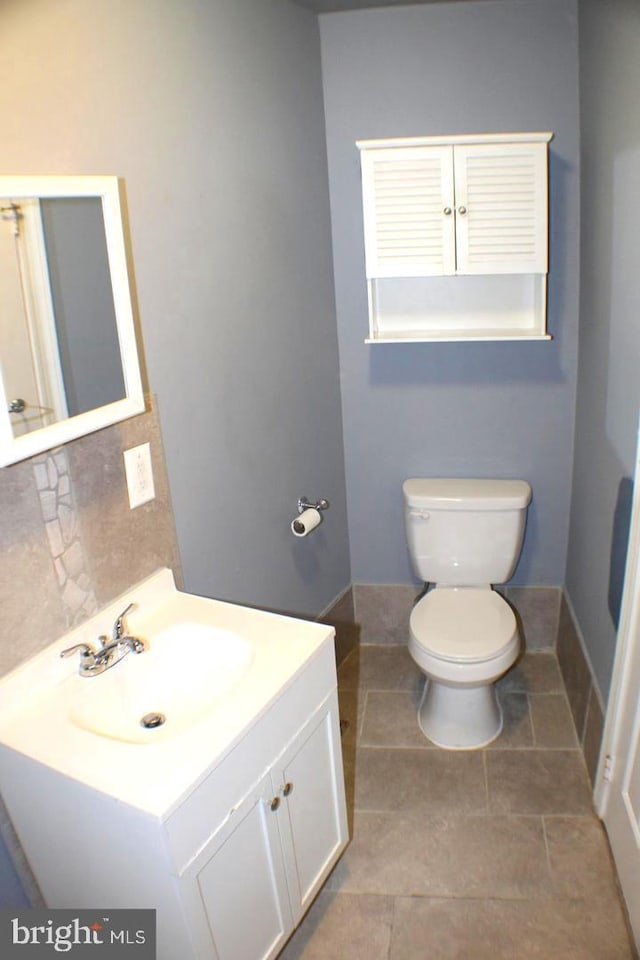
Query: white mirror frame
x=13, y=449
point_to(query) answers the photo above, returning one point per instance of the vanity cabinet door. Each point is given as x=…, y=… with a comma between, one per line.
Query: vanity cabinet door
x=312, y=815
x=235, y=889
x=251, y=882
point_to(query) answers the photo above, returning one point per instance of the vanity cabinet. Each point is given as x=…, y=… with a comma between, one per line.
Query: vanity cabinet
x=456, y=236
x=268, y=858
x=229, y=855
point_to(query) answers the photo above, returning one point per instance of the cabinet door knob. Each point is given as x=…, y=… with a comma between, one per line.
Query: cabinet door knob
x=447, y=211
x=275, y=803
x=286, y=790
x=462, y=210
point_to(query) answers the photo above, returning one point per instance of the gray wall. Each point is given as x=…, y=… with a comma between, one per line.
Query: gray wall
x=609, y=380
x=211, y=111
x=488, y=409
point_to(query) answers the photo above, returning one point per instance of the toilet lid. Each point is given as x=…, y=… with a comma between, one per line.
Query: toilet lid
x=463, y=624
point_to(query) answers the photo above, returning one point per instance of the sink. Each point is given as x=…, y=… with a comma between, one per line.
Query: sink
x=180, y=678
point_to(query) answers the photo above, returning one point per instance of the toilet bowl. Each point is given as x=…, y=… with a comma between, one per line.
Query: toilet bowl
x=463, y=640
x=463, y=535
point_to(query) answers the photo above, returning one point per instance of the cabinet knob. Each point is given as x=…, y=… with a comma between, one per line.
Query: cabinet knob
x=286, y=790
x=462, y=210
x=447, y=211
x=275, y=803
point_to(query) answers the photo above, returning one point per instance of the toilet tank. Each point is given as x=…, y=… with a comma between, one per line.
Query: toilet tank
x=465, y=532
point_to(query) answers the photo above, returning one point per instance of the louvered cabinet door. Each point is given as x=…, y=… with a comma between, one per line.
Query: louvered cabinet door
x=501, y=208
x=408, y=203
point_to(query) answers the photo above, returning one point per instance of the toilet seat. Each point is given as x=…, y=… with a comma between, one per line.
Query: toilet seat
x=463, y=625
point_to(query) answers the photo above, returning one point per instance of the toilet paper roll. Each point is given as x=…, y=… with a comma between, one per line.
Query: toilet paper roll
x=307, y=521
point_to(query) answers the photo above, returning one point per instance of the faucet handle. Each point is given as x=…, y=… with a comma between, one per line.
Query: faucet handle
x=86, y=650
x=118, y=627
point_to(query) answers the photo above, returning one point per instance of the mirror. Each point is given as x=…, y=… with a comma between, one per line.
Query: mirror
x=68, y=357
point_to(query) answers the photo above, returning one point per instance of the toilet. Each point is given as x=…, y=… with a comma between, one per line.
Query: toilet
x=463, y=536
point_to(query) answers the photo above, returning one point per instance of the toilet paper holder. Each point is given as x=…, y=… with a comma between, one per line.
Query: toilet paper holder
x=305, y=504
x=309, y=516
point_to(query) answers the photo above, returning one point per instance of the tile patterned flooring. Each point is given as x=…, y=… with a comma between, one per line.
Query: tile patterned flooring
x=464, y=855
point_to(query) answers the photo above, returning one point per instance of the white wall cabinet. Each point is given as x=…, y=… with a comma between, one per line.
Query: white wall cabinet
x=456, y=236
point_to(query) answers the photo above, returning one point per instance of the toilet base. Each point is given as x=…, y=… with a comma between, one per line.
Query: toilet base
x=460, y=717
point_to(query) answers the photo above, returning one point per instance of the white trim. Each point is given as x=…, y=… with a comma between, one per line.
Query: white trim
x=39, y=310
x=456, y=138
x=629, y=627
x=448, y=337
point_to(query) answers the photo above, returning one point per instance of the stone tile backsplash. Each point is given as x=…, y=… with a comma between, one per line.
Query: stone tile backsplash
x=69, y=544
x=341, y=616
x=587, y=711
x=64, y=535
x=382, y=611
x=537, y=609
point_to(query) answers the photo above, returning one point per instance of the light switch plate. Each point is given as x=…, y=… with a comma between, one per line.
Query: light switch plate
x=139, y=473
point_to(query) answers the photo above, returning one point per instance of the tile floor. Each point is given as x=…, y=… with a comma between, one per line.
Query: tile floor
x=493, y=853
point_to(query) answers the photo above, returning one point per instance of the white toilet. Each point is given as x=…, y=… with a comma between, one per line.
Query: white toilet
x=463, y=536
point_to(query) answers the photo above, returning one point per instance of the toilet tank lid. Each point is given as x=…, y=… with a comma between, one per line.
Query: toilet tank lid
x=440, y=493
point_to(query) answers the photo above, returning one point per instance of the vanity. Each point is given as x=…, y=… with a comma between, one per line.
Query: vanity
x=227, y=816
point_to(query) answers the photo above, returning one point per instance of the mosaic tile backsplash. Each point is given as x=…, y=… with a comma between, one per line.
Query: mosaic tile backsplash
x=69, y=544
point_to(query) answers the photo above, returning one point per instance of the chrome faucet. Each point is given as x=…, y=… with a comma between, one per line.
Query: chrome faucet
x=110, y=652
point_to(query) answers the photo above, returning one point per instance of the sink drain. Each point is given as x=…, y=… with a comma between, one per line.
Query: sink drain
x=152, y=720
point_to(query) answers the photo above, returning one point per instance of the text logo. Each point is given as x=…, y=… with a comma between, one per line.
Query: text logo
x=81, y=934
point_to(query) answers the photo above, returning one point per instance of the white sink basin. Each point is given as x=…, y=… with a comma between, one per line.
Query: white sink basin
x=178, y=680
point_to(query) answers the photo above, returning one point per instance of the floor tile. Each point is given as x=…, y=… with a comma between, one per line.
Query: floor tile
x=380, y=667
x=417, y=782
x=579, y=858
x=349, y=671
x=391, y=720
x=445, y=857
x=552, y=721
x=537, y=782
x=516, y=722
x=508, y=930
x=349, y=767
x=351, y=709
x=464, y=855
x=343, y=927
